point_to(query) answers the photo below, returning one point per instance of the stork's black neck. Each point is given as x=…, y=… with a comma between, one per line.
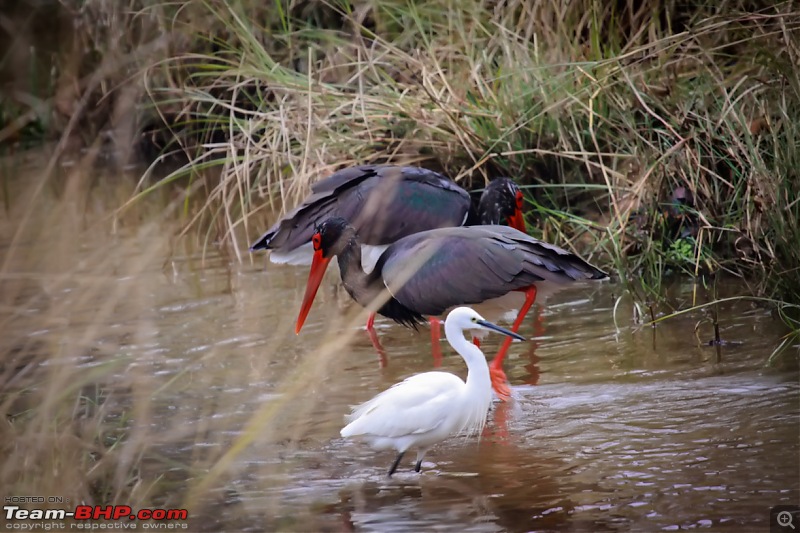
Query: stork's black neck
x=362, y=287
x=368, y=288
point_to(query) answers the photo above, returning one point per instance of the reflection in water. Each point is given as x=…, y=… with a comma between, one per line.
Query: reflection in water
x=611, y=429
x=617, y=435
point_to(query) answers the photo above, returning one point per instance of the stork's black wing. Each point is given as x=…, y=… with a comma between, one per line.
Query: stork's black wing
x=383, y=203
x=430, y=272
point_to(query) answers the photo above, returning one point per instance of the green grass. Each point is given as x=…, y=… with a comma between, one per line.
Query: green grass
x=602, y=112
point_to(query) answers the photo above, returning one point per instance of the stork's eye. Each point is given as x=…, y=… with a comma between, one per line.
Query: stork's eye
x=316, y=240
x=518, y=198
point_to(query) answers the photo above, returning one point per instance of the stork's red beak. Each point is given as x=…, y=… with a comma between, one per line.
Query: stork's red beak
x=517, y=221
x=318, y=266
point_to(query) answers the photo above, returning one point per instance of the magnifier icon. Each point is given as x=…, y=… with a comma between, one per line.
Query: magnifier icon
x=785, y=519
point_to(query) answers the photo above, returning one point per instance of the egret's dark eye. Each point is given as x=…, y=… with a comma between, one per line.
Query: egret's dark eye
x=316, y=240
x=474, y=319
x=518, y=198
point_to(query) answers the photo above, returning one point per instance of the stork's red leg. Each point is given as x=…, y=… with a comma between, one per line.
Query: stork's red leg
x=499, y=379
x=476, y=341
x=436, y=346
x=376, y=342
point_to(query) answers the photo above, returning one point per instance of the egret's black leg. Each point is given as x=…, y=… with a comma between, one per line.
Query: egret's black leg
x=419, y=465
x=396, y=462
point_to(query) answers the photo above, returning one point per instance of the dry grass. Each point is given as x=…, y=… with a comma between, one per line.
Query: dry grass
x=88, y=381
x=134, y=368
x=604, y=111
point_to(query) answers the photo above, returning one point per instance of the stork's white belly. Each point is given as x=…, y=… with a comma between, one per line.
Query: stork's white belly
x=370, y=255
x=302, y=256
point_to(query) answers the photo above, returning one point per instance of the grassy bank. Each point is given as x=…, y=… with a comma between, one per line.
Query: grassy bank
x=655, y=139
x=658, y=139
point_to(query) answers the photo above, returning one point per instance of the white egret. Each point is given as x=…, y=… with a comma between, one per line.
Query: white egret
x=427, y=408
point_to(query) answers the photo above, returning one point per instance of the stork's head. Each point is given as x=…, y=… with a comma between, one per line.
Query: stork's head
x=331, y=238
x=501, y=203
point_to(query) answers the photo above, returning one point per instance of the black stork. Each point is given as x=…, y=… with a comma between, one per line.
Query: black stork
x=430, y=272
x=385, y=203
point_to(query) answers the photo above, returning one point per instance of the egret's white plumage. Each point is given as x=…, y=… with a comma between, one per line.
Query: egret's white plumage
x=427, y=408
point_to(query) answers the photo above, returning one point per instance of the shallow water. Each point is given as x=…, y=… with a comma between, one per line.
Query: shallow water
x=614, y=426
x=620, y=430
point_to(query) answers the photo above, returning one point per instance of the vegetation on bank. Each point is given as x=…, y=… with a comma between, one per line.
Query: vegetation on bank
x=655, y=137
x=651, y=137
